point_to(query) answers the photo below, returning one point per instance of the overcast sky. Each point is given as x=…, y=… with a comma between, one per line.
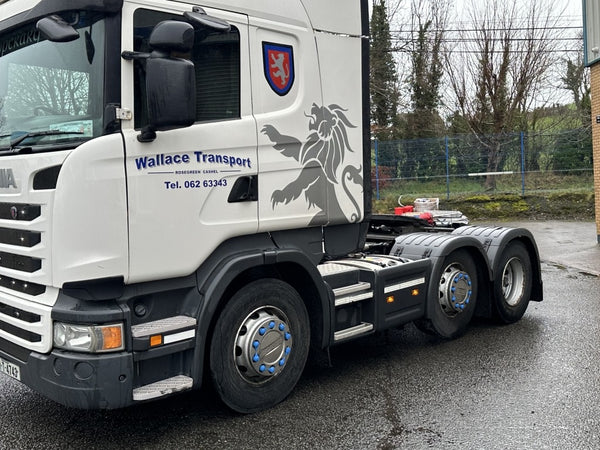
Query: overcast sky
x=571, y=8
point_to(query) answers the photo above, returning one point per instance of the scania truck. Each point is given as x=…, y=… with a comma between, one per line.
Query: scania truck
x=185, y=199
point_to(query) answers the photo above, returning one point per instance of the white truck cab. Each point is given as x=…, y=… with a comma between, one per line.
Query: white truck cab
x=185, y=186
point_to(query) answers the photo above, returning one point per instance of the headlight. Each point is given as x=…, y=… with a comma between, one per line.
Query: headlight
x=89, y=338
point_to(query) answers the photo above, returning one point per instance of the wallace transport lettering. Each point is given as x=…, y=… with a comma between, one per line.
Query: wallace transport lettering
x=231, y=161
x=161, y=160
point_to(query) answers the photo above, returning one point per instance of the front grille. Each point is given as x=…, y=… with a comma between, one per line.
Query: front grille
x=24, y=322
x=14, y=242
x=26, y=292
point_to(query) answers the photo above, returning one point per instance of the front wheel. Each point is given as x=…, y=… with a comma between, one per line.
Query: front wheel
x=259, y=346
x=452, y=305
x=512, y=284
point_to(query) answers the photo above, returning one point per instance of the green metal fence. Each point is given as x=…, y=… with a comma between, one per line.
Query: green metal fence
x=512, y=162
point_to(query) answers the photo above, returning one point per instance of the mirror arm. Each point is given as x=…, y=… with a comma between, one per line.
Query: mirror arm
x=147, y=135
x=138, y=56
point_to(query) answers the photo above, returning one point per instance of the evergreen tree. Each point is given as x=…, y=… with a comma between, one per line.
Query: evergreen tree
x=424, y=82
x=426, y=69
x=383, y=80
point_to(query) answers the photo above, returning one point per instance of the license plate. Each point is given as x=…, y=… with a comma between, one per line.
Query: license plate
x=10, y=369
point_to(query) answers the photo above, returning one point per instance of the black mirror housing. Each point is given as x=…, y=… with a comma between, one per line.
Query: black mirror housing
x=171, y=90
x=55, y=29
x=170, y=79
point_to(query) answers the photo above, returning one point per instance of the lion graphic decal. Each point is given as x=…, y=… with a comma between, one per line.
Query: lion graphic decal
x=321, y=157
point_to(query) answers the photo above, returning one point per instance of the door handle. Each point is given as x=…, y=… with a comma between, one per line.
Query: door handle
x=245, y=189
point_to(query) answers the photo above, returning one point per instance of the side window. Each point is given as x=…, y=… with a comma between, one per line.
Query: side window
x=217, y=62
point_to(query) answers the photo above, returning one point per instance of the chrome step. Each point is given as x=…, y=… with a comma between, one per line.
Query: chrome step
x=162, y=326
x=353, y=293
x=353, y=331
x=162, y=388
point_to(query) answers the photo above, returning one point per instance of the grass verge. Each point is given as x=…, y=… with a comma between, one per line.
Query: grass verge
x=539, y=206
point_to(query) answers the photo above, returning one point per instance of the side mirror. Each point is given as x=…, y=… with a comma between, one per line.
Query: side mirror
x=170, y=75
x=171, y=91
x=170, y=79
x=55, y=29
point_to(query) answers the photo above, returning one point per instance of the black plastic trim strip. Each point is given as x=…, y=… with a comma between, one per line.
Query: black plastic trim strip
x=46, y=178
x=21, y=238
x=16, y=351
x=22, y=286
x=20, y=314
x=20, y=262
x=20, y=211
x=20, y=332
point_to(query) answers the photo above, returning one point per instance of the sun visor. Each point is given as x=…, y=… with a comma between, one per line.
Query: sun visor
x=337, y=16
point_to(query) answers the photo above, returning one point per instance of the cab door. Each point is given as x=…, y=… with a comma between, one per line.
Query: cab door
x=286, y=90
x=181, y=205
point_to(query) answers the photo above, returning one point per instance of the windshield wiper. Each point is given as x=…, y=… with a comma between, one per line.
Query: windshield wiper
x=31, y=134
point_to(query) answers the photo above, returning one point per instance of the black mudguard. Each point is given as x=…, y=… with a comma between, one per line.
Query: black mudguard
x=435, y=247
x=495, y=239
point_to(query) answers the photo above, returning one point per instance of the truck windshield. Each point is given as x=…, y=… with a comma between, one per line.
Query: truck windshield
x=51, y=93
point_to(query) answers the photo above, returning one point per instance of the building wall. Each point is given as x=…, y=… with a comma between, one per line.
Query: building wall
x=595, y=85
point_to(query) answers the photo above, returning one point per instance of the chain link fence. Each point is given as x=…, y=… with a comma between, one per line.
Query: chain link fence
x=469, y=164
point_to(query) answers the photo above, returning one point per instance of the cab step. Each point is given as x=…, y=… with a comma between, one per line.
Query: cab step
x=163, y=326
x=356, y=330
x=353, y=293
x=161, y=388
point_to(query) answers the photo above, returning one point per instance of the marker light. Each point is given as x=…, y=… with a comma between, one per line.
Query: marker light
x=390, y=299
x=414, y=292
x=89, y=338
x=156, y=340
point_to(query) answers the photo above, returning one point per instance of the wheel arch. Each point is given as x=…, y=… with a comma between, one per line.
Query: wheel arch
x=233, y=273
x=437, y=247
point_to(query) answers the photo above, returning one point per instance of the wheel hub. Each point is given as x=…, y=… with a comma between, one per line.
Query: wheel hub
x=513, y=281
x=263, y=344
x=455, y=291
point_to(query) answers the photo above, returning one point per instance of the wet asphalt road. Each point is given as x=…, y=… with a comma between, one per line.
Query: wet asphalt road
x=531, y=385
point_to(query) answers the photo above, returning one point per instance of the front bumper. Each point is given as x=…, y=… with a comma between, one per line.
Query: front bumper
x=79, y=380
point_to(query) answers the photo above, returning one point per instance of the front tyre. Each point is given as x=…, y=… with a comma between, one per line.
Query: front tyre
x=452, y=305
x=512, y=283
x=259, y=346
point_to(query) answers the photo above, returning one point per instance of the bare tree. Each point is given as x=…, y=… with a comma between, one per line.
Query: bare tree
x=47, y=91
x=2, y=116
x=498, y=69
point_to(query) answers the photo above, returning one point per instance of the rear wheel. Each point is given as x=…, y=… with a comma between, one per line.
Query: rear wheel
x=512, y=284
x=259, y=346
x=451, y=308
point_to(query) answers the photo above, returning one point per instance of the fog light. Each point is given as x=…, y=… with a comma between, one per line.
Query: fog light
x=89, y=338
